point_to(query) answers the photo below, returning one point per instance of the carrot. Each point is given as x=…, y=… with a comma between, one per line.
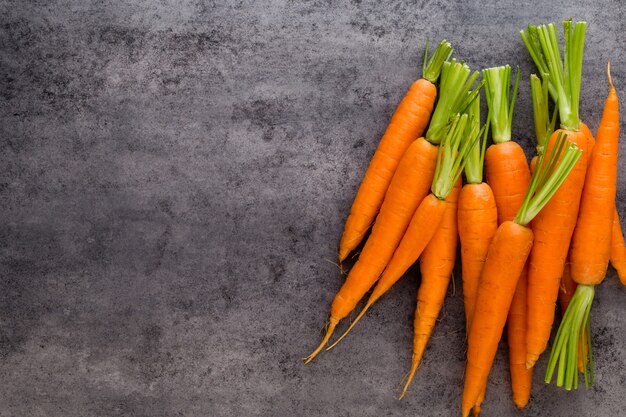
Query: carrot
x=507, y=255
x=590, y=249
x=555, y=224
x=438, y=258
x=407, y=124
x=408, y=188
x=509, y=177
x=477, y=223
x=428, y=215
x=436, y=265
x=618, y=251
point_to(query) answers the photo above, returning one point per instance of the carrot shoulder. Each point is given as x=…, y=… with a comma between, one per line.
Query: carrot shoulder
x=407, y=124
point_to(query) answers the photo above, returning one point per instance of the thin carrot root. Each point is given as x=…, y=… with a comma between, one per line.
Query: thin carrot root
x=415, y=363
x=361, y=314
x=331, y=328
x=476, y=410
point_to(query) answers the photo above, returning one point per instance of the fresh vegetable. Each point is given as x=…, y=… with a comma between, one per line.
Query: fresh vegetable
x=407, y=124
x=477, y=220
x=590, y=249
x=408, y=188
x=507, y=255
x=554, y=225
x=428, y=215
x=509, y=177
x=436, y=265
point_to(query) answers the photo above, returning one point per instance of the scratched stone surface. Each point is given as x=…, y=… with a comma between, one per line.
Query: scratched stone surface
x=174, y=178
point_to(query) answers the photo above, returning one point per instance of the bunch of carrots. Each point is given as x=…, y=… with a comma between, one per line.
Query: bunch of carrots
x=530, y=234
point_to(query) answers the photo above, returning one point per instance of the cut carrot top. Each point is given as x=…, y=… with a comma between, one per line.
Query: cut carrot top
x=565, y=75
x=497, y=88
x=476, y=157
x=544, y=125
x=454, y=85
x=431, y=68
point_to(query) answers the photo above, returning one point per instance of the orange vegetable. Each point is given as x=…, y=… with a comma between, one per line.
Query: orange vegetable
x=591, y=247
x=407, y=124
x=436, y=265
x=553, y=227
x=507, y=255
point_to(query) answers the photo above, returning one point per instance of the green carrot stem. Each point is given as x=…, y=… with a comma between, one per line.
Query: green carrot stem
x=431, y=69
x=551, y=170
x=454, y=84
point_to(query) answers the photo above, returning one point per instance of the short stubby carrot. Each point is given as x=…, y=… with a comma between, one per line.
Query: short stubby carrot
x=554, y=226
x=507, y=255
x=407, y=124
x=590, y=248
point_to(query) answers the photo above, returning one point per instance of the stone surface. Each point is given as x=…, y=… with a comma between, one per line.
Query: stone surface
x=175, y=178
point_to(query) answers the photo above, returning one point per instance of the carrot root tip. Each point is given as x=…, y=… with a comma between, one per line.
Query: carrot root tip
x=331, y=328
x=414, y=365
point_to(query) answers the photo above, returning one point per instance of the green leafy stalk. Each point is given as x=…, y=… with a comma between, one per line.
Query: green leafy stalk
x=569, y=338
x=544, y=125
x=476, y=156
x=497, y=89
x=549, y=174
x=431, y=69
x=531, y=40
x=452, y=155
x=565, y=75
x=454, y=85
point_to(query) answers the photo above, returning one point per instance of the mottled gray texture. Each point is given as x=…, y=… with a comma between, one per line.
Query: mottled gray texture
x=175, y=178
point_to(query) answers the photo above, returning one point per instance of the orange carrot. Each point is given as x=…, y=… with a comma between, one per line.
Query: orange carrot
x=477, y=221
x=509, y=177
x=591, y=247
x=428, y=215
x=436, y=265
x=618, y=251
x=507, y=255
x=555, y=224
x=407, y=124
x=408, y=188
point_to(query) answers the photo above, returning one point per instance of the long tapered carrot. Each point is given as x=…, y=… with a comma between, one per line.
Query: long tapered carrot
x=618, y=250
x=436, y=265
x=407, y=124
x=555, y=224
x=408, y=188
x=590, y=249
x=428, y=215
x=508, y=253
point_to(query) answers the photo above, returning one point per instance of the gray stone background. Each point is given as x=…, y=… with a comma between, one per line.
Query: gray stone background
x=175, y=178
